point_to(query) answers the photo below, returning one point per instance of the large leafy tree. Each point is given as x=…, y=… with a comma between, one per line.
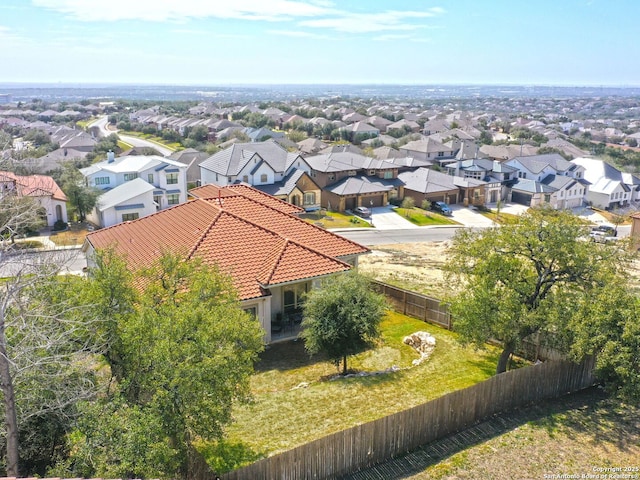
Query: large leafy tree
x=342, y=317
x=182, y=352
x=609, y=326
x=533, y=277
x=82, y=198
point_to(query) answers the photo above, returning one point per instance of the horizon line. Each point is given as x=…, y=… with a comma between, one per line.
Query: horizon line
x=61, y=84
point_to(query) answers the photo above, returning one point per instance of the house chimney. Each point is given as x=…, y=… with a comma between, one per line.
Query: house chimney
x=111, y=156
x=458, y=166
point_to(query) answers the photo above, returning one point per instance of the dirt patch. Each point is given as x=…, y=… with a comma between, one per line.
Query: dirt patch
x=415, y=266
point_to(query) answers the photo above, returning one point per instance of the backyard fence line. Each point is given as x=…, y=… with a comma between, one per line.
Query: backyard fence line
x=415, y=305
x=368, y=444
x=433, y=310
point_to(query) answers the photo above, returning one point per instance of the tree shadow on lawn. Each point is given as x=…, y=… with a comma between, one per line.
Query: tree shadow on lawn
x=291, y=354
x=590, y=411
x=286, y=356
x=603, y=418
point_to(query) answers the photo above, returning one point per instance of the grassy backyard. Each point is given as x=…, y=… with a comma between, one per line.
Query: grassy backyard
x=296, y=400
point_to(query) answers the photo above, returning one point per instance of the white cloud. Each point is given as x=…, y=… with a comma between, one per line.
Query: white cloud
x=385, y=38
x=393, y=20
x=298, y=34
x=170, y=10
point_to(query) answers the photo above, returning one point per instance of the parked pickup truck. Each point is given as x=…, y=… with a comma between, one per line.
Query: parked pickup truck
x=603, y=234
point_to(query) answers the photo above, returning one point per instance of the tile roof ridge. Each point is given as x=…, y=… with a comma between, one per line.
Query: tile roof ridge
x=272, y=232
x=266, y=274
x=287, y=242
x=297, y=219
x=204, y=233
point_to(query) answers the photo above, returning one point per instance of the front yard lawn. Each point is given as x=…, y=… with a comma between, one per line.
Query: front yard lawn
x=74, y=235
x=296, y=402
x=335, y=220
x=421, y=217
x=501, y=218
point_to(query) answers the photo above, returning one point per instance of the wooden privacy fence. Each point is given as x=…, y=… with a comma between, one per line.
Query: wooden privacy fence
x=415, y=304
x=374, y=442
x=432, y=310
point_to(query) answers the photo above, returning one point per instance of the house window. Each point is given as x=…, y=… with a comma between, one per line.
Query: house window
x=310, y=198
x=263, y=178
x=476, y=194
x=102, y=181
x=172, y=178
x=372, y=173
x=547, y=198
x=173, y=199
x=157, y=199
x=150, y=178
x=388, y=174
x=130, y=176
x=252, y=311
x=245, y=178
x=127, y=217
x=293, y=297
x=522, y=174
x=441, y=154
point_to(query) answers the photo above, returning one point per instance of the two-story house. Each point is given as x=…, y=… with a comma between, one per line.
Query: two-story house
x=548, y=179
x=428, y=149
x=610, y=188
x=497, y=178
x=135, y=186
x=266, y=166
x=349, y=180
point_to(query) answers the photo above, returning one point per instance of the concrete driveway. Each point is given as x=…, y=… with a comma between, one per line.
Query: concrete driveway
x=384, y=218
x=470, y=217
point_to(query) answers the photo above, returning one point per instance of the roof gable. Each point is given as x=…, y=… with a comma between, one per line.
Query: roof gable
x=255, y=243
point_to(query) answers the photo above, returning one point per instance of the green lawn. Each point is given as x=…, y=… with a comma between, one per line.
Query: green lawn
x=335, y=220
x=154, y=139
x=421, y=217
x=501, y=218
x=295, y=402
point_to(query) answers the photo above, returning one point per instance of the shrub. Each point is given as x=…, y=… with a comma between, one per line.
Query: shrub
x=59, y=225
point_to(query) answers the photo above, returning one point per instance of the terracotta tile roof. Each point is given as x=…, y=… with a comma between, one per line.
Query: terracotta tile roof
x=211, y=191
x=35, y=185
x=257, y=243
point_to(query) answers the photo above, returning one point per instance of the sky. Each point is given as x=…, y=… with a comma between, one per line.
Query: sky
x=241, y=42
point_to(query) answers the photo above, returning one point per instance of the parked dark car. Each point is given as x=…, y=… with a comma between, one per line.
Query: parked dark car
x=441, y=208
x=362, y=212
